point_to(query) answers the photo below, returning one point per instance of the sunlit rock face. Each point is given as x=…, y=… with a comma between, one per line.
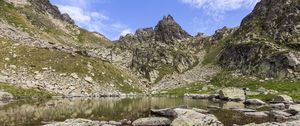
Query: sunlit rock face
x=164, y=46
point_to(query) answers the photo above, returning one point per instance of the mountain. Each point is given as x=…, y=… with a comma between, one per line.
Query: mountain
x=45, y=49
x=267, y=42
x=42, y=48
x=159, y=51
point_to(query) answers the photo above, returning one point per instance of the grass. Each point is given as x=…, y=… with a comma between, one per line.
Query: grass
x=89, y=37
x=20, y=93
x=163, y=70
x=12, y=16
x=225, y=79
x=35, y=59
x=192, y=88
x=213, y=52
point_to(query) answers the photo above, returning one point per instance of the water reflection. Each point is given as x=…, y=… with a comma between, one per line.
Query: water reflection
x=35, y=112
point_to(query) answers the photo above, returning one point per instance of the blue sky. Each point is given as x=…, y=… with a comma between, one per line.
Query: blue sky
x=114, y=18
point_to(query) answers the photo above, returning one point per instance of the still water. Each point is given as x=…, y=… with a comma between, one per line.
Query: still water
x=35, y=113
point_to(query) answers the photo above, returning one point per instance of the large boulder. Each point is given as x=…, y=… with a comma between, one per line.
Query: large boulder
x=152, y=121
x=283, y=99
x=5, y=96
x=294, y=109
x=232, y=94
x=187, y=117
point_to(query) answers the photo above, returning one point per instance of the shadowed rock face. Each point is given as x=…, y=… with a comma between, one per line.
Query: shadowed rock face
x=44, y=6
x=262, y=45
x=168, y=31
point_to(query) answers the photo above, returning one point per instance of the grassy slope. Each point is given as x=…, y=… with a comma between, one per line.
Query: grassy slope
x=41, y=25
x=35, y=59
x=225, y=79
x=18, y=92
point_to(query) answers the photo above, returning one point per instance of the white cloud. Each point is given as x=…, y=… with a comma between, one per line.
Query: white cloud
x=125, y=32
x=218, y=8
x=94, y=20
x=76, y=13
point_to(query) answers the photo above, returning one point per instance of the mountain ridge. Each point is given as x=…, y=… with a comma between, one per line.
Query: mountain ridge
x=162, y=57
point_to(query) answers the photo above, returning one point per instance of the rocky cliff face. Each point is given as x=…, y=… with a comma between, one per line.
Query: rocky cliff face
x=267, y=41
x=159, y=50
x=44, y=6
x=279, y=20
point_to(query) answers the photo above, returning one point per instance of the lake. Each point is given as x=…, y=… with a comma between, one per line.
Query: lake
x=37, y=112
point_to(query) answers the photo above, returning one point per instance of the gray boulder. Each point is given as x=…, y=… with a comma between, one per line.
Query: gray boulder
x=187, y=117
x=232, y=94
x=294, y=109
x=283, y=99
x=152, y=121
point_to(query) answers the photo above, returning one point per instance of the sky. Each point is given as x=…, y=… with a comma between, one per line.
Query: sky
x=114, y=18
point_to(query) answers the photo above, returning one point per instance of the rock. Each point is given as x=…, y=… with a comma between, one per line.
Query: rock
x=89, y=79
x=197, y=96
x=283, y=99
x=278, y=106
x=279, y=114
x=288, y=123
x=168, y=31
x=243, y=110
x=47, y=7
x=74, y=75
x=256, y=114
x=261, y=90
x=187, y=117
x=75, y=122
x=294, y=109
x=254, y=102
x=152, y=121
x=5, y=96
x=168, y=112
x=233, y=94
x=200, y=110
x=115, y=123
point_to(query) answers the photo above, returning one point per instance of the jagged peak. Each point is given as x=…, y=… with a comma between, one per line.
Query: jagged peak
x=168, y=30
x=168, y=18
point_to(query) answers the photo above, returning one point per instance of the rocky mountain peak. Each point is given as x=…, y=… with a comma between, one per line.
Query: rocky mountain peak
x=168, y=30
x=44, y=6
x=276, y=19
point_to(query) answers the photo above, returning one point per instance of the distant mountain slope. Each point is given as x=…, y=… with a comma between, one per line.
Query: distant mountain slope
x=43, y=49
